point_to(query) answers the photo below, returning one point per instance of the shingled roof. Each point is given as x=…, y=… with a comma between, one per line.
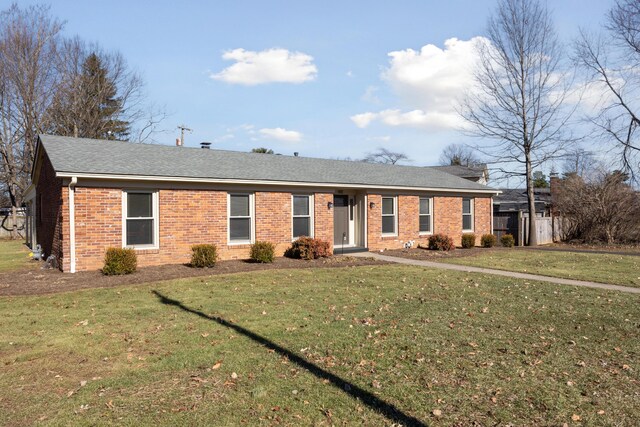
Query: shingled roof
x=130, y=160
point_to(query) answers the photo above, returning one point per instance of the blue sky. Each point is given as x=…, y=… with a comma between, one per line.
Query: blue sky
x=324, y=84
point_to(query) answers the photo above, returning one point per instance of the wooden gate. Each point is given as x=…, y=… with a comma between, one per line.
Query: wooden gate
x=506, y=223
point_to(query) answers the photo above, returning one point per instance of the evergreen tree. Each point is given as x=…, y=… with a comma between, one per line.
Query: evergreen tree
x=88, y=104
x=540, y=180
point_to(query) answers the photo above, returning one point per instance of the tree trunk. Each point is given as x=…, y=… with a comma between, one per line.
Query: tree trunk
x=14, y=223
x=533, y=235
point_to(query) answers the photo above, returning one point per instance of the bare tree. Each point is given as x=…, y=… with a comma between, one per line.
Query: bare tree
x=459, y=155
x=28, y=78
x=520, y=93
x=382, y=155
x=580, y=162
x=611, y=61
x=604, y=209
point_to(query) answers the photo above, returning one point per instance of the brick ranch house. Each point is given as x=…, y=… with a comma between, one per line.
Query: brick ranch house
x=89, y=195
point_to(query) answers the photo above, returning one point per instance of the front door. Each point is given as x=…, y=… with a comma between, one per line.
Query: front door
x=340, y=220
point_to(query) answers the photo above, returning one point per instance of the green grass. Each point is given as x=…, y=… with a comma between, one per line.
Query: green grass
x=616, y=269
x=14, y=255
x=477, y=348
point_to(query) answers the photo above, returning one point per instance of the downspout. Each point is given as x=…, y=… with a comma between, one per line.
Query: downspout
x=72, y=224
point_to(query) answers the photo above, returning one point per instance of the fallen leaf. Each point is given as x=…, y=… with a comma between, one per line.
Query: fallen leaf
x=575, y=417
x=234, y=375
x=217, y=365
x=437, y=413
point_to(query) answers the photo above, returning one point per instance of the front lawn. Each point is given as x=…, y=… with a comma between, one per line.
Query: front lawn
x=14, y=255
x=371, y=346
x=616, y=269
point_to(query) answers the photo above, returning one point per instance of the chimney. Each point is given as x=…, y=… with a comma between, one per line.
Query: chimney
x=295, y=153
x=205, y=145
x=178, y=142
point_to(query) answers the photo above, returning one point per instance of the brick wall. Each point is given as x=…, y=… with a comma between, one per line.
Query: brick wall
x=52, y=230
x=482, y=209
x=447, y=219
x=187, y=217
x=323, y=217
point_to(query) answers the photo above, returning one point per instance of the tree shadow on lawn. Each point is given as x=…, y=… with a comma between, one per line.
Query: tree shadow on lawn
x=387, y=409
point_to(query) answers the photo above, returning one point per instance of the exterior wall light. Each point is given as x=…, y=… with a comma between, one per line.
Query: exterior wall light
x=330, y=205
x=372, y=205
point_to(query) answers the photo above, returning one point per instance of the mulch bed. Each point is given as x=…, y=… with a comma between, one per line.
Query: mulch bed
x=39, y=282
x=429, y=255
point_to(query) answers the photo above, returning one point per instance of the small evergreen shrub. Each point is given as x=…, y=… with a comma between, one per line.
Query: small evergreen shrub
x=507, y=240
x=204, y=255
x=308, y=248
x=488, y=240
x=441, y=242
x=262, y=252
x=119, y=261
x=468, y=240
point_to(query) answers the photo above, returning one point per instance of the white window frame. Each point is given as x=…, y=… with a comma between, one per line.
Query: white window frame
x=252, y=219
x=155, y=209
x=424, y=233
x=471, y=213
x=395, y=215
x=311, y=215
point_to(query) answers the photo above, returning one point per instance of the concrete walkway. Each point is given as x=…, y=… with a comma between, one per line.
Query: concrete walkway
x=513, y=274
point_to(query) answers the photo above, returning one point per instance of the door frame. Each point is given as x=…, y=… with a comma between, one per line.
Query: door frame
x=357, y=225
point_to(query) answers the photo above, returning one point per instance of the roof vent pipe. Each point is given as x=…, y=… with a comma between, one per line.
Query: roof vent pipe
x=295, y=153
x=178, y=142
x=205, y=145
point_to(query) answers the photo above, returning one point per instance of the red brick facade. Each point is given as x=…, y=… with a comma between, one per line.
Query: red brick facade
x=193, y=216
x=51, y=212
x=447, y=219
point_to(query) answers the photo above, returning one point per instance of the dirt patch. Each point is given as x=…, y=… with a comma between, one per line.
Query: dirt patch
x=37, y=282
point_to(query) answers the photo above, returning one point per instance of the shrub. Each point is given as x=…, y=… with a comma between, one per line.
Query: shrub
x=488, y=240
x=262, y=252
x=119, y=261
x=441, y=242
x=468, y=240
x=308, y=248
x=203, y=255
x=507, y=240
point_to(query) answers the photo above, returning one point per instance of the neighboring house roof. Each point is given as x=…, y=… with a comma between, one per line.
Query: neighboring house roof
x=515, y=199
x=80, y=156
x=474, y=173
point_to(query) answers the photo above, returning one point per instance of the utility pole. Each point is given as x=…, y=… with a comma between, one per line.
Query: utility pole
x=182, y=129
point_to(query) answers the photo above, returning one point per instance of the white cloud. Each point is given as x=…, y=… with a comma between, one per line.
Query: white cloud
x=267, y=66
x=415, y=118
x=429, y=84
x=280, y=134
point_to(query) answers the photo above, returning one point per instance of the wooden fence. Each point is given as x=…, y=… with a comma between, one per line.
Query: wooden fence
x=518, y=226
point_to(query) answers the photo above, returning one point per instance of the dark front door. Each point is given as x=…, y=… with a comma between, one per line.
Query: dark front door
x=340, y=220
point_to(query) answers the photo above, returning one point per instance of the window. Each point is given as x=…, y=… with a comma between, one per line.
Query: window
x=467, y=214
x=389, y=216
x=302, y=216
x=140, y=210
x=426, y=215
x=240, y=218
